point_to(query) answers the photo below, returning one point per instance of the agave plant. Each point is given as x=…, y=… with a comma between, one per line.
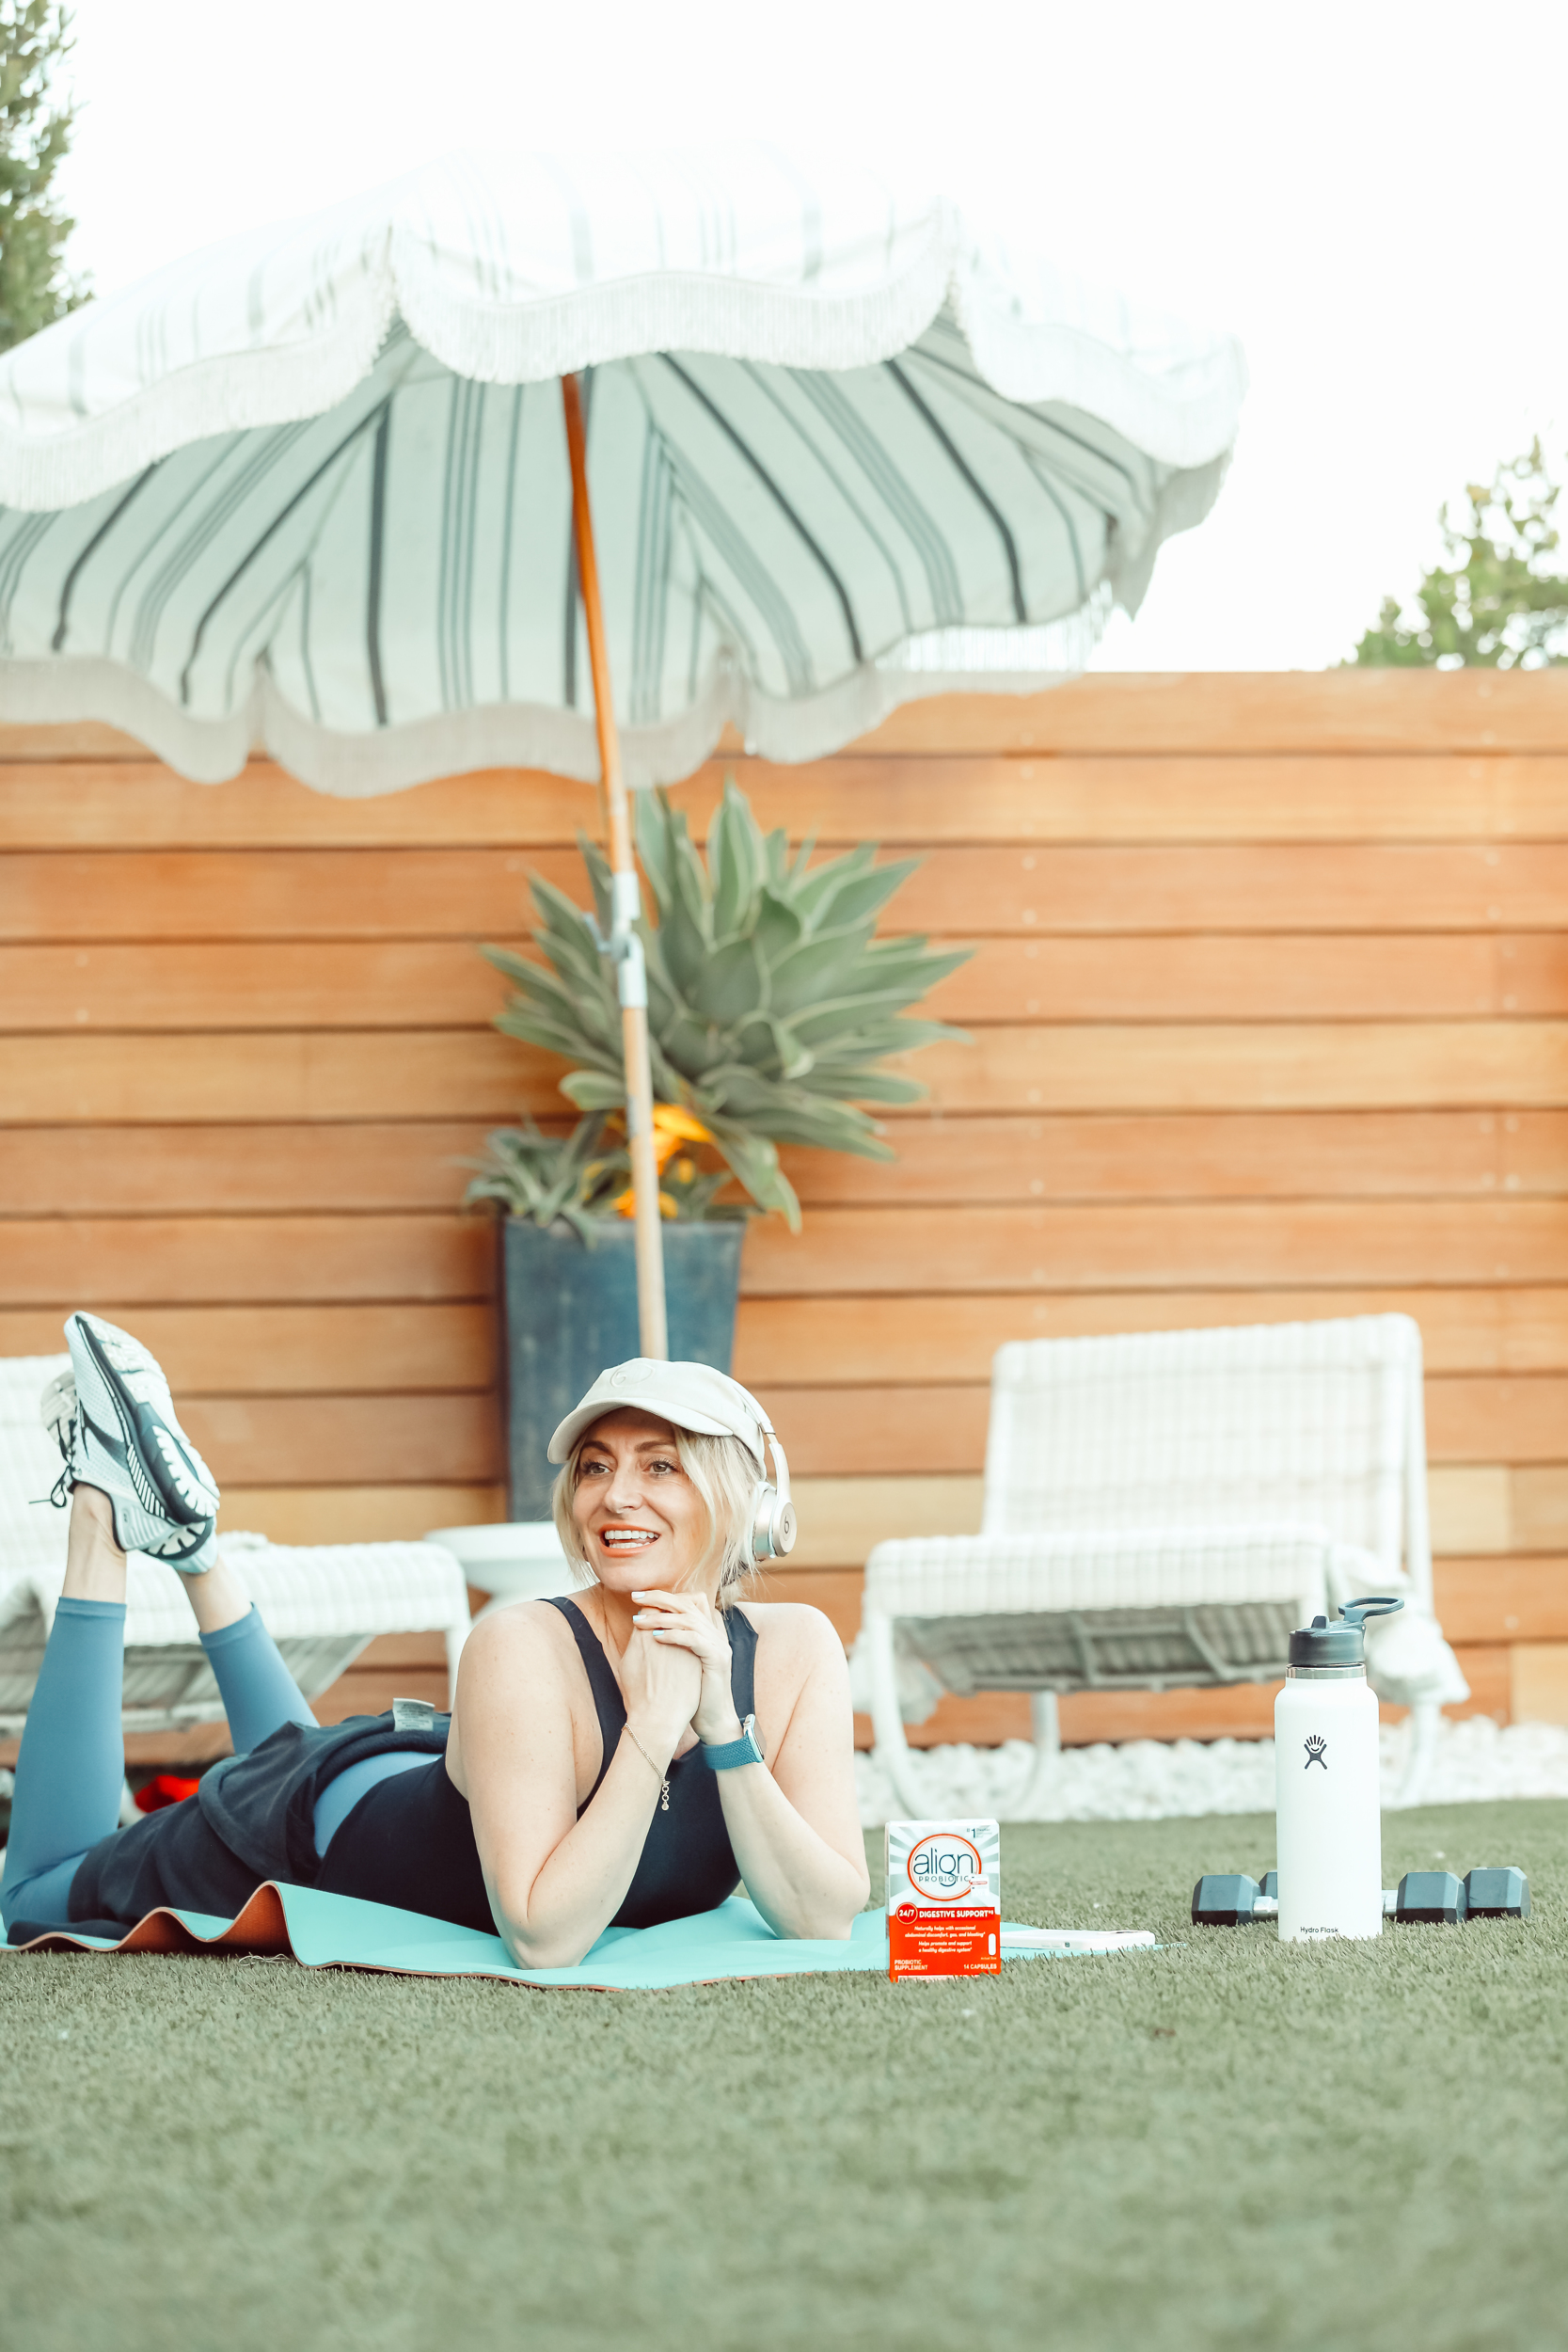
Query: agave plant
x=770, y=1005
x=585, y=1176
x=545, y=1177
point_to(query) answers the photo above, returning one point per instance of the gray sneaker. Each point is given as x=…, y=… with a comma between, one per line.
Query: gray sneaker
x=114, y=1420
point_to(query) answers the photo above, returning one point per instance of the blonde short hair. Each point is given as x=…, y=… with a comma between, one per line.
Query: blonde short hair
x=726, y=1478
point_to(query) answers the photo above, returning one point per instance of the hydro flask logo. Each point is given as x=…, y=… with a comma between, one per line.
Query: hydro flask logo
x=1315, y=1747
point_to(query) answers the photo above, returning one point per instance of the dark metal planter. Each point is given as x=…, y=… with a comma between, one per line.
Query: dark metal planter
x=570, y=1310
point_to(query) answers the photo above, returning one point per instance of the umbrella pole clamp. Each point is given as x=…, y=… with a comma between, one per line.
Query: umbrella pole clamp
x=625, y=949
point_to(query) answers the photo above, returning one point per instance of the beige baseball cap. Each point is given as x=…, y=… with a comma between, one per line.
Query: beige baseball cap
x=691, y=1396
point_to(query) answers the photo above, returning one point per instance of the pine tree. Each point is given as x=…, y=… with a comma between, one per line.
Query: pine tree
x=1501, y=601
x=35, y=286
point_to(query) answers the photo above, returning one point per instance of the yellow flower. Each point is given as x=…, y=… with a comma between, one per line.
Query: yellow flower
x=626, y=1203
x=672, y=1128
x=670, y=1119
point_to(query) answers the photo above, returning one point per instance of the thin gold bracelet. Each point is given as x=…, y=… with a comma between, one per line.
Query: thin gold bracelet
x=662, y=1778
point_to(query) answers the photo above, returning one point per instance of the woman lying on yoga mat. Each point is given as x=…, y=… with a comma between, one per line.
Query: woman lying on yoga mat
x=571, y=1787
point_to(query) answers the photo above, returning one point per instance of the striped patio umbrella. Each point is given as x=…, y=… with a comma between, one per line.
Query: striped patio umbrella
x=312, y=489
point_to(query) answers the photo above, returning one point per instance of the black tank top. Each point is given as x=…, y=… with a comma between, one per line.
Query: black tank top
x=409, y=1841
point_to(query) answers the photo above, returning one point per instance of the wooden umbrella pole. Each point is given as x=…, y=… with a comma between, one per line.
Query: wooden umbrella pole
x=630, y=972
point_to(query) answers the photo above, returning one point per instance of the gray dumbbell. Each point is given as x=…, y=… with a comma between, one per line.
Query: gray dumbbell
x=1225, y=1901
x=1422, y=1897
x=1426, y=1896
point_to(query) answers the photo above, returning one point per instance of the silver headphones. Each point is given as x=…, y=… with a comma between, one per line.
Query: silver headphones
x=772, y=1512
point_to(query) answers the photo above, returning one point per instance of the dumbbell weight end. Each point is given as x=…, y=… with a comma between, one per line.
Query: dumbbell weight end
x=1225, y=1900
x=1497, y=1895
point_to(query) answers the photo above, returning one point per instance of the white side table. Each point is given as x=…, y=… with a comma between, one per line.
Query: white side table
x=517, y=1560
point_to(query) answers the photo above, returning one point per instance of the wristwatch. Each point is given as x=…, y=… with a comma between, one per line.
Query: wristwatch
x=747, y=1749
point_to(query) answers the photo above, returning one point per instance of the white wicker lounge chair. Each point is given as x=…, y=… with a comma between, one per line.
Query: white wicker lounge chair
x=323, y=1604
x=1160, y=1510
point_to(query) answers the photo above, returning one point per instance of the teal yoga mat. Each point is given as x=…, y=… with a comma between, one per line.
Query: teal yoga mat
x=337, y=1931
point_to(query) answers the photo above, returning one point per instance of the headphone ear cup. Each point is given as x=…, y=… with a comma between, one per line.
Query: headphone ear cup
x=772, y=1525
x=772, y=1512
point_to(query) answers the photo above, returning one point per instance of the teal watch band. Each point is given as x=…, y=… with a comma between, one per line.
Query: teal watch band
x=745, y=1750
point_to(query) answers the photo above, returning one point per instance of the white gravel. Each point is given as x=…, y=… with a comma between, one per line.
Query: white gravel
x=1148, y=1780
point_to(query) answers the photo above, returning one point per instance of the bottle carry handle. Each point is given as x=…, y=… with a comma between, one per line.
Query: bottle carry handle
x=1375, y=1605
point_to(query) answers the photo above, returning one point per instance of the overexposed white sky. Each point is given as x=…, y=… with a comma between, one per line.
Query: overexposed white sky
x=1368, y=192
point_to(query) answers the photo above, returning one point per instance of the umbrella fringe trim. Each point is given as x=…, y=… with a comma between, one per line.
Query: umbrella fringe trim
x=49, y=692
x=509, y=343
x=231, y=392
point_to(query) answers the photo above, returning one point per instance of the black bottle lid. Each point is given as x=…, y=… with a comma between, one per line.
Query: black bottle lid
x=1320, y=1644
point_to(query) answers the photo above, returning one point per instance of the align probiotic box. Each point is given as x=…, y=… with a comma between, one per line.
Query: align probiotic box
x=943, y=1899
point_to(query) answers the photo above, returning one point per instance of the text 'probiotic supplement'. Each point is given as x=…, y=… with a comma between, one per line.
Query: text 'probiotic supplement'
x=943, y=1899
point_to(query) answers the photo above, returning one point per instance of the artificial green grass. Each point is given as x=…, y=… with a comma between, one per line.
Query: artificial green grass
x=1224, y=2143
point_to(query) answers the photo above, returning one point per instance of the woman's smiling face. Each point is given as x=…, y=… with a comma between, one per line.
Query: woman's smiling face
x=640, y=1521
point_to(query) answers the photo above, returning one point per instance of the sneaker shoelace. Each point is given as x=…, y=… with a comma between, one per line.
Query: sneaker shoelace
x=62, y=1428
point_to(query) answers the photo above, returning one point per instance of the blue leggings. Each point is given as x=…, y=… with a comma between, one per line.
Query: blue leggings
x=71, y=1767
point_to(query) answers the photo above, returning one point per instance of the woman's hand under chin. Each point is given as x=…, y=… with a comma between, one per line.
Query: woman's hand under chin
x=660, y=1685
x=691, y=1622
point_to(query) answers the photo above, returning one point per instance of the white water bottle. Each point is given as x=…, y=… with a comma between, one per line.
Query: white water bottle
x=1327, y=1819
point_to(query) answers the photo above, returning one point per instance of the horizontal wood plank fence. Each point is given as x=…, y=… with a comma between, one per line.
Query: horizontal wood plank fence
x=1269, y=1019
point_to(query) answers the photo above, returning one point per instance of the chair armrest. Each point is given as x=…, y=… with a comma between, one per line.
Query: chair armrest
x=300, y=1589
x=19, y=1590
x=357, y=1588
x=1354, y=1574
x=1409, y=1663
x=935, y=1576
x=303, y=1589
